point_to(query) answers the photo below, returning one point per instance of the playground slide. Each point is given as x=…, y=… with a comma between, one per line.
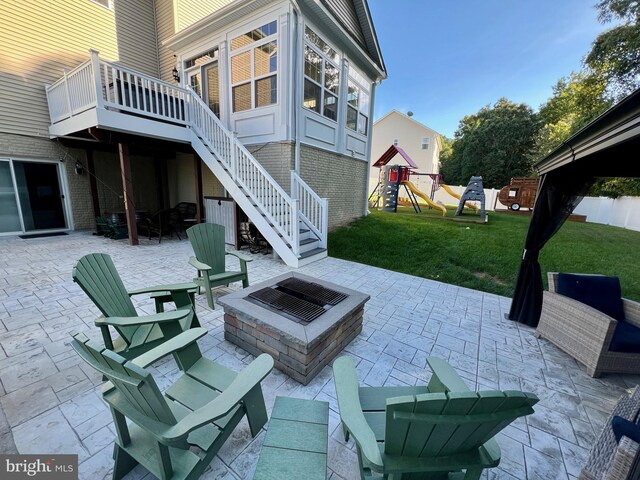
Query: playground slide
x=454, y=194
x=426, y=198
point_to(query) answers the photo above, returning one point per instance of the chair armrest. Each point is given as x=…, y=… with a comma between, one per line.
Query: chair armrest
x=576, y=319
x=631, y=311
x=171, y=316
x=175, y=287
x=351, y=415
x=623, y=459
x=172, y=345
x=444, y=378
x=241, y=256
x=247, y=380
x=199, y=265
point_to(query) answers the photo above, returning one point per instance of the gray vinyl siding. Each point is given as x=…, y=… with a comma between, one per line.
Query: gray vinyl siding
x=136, y=35
x=345, y=13
x=41, y=38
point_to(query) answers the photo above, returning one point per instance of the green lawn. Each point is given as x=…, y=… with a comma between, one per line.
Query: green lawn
x=484, y=257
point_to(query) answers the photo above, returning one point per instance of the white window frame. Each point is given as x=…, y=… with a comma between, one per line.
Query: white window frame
x=108, y=6
x=363, y=108
x=334, y=62
x=425, y=143
x=253, y=79
x=395, y=142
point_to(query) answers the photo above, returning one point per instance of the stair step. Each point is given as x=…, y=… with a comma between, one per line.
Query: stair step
x=310, y=253
x=306, y=241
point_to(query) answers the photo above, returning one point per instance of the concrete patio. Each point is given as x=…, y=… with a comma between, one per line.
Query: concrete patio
x=51, y=403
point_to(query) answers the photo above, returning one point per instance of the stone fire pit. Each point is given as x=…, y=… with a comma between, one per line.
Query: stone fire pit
x=302, y=322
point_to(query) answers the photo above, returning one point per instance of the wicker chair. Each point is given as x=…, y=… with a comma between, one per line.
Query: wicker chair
x=609, y=460
x=585, y=333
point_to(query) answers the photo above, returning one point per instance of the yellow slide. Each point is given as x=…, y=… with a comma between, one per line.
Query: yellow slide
x=454, y=194
x=417, y=192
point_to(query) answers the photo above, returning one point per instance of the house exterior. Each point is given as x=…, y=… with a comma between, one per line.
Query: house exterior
x=267, y=102
x=420, y=142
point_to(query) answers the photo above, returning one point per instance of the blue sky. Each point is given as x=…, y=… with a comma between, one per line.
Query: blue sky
x=448, y=59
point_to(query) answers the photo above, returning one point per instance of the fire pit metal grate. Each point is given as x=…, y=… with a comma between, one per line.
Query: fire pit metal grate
x=289, y=304
x=317, y=293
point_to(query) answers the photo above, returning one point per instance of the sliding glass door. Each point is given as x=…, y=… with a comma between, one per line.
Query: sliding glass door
x=31, y=197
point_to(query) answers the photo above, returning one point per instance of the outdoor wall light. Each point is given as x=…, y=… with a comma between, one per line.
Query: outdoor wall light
x=175, y=73
x=79, y=168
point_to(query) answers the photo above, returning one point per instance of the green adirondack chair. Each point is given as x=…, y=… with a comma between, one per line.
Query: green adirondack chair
x=175, y=435
x=97, y=276
x=439, y=431
x=207, y=240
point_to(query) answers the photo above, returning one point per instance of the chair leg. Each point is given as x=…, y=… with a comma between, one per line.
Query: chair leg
x=209, y=294
x=123, y=462
x=256, y=410
x=473, y=474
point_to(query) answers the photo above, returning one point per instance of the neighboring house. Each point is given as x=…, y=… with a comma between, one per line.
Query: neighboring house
x=274, y=97
x=420, y=142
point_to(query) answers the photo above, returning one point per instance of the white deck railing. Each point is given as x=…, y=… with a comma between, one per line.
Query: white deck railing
x=314, y=211
x=100, y=84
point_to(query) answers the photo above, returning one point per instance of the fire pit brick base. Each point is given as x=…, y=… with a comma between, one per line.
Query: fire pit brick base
x=298, y=350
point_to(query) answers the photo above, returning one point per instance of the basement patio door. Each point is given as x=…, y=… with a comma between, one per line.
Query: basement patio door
x=31, y=197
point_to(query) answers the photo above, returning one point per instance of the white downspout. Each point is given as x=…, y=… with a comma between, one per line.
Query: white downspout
x=369, y=144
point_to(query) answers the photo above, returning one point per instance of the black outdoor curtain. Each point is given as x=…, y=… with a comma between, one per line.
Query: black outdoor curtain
x=559, y=193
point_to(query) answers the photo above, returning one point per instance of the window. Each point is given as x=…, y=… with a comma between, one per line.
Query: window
x=395, y=142
x=358, y=104
x=200, y=59
x=254, y=66
x=321, y=76
x=425, y=143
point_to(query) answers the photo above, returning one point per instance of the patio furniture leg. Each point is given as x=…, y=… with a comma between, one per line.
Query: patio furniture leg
x=256, y=410
x=123, y=462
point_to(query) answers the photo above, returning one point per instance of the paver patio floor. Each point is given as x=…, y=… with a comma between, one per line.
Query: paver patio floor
x=50, y=401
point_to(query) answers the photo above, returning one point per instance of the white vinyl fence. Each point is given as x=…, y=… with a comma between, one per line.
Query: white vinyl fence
x=620, y=212
x=490, y=196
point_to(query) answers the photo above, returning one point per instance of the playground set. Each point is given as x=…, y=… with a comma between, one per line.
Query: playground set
x=392, y=178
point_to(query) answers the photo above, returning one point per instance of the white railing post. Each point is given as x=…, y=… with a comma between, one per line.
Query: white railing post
x=66, y=92
x=294, y=185
x=97, y=77
x=325, y=223
x=295, y=227
x=234, y=156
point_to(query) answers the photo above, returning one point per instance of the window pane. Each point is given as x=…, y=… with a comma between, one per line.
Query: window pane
x=330, y=106
x=364, y=102
x=363, y=123
x=311, y=96
x=311, y=37
x=194, y=83
x=265, y=58
x=352, y=118
x=242, y=97
x=254, y=35
x=312, y=65
x=352, y=94
x=331, y=78
x=241, y=67
x=204, y=58
x=266, y=91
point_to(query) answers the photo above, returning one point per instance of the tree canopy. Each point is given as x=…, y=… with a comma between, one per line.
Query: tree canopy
x=497, y=143
x=615, y=54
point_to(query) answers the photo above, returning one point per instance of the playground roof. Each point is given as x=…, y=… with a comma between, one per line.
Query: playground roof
x=391, y=152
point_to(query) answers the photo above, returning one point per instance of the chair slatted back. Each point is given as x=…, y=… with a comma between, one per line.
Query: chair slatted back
x=135, y=384
x=207, y=240
x=97, y=276
x=446, y=423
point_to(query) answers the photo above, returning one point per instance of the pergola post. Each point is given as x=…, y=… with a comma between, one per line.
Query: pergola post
x=127, y=188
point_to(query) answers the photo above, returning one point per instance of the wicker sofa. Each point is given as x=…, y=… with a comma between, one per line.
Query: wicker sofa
x=609, y=460
x=585, y=333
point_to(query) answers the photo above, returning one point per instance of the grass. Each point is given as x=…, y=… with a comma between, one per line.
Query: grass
x=484, y=257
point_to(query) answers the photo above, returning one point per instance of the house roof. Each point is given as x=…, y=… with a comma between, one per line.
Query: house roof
x=391, y=152
x=608, y=146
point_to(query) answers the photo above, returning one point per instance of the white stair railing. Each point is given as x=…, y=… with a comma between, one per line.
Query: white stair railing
x=314, y=211
x=97, y=83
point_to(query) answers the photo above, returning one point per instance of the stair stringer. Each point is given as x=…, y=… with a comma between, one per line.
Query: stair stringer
x=278, y=244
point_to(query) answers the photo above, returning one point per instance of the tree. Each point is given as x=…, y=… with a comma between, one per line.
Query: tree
x=498, y=142
x=576, y=100
x=615, y=54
